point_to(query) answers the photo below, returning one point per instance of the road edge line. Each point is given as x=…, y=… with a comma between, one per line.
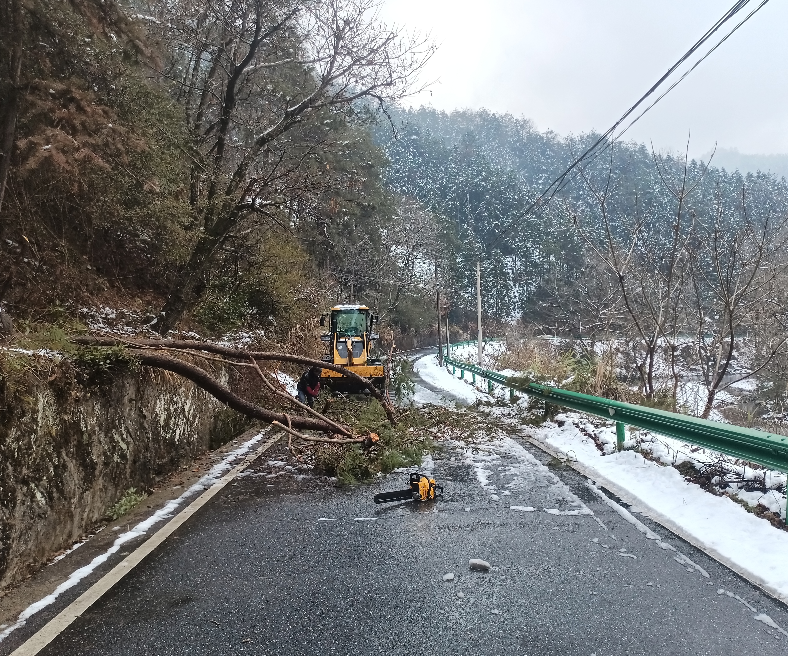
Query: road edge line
x=46, y=634
x=656, y=516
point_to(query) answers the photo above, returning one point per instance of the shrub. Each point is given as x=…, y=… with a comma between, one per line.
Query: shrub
x=100, y=365
x=125, y=504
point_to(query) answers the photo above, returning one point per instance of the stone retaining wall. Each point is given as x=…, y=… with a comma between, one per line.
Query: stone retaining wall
x=70, y=449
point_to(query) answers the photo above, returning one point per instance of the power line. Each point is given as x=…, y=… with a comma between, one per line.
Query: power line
x=561, y=181
x=694, y=66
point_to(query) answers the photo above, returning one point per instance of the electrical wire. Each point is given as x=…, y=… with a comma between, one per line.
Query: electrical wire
x=694, y=66
x=593, y=151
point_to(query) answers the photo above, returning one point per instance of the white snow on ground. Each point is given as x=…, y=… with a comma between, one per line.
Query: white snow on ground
x=242, y=339
x=717, y=522
x=746, y=385
x=423, y=396
x=288, y=382
x=44, y=353
x=670, y=451
x=470, y=353
x=522, y=472
x=427, y=367
x=692, y=397
x=723, y=526
x=116, y=321
x=130, y=323
x=141, y=529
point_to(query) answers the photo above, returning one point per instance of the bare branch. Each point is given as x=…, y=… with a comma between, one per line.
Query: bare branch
x=297, y=403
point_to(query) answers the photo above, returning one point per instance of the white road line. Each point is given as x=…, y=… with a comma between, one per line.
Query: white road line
x=58, y=624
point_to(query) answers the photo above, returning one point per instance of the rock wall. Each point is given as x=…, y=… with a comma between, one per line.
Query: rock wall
x=70, y=446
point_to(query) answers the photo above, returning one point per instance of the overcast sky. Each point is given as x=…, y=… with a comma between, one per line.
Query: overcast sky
x=577, y=65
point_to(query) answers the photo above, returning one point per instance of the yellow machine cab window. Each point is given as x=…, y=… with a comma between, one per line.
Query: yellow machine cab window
x=349, y=323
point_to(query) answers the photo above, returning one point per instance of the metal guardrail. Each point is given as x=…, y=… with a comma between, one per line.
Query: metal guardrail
x=766, y=449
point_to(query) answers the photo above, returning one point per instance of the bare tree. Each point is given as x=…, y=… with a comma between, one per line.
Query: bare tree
x=646, y=253
x=737, y=265
x=407, y=261
x=250, y=73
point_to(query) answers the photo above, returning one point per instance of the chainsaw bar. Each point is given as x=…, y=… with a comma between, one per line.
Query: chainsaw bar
x=422, y=488
x=399, y=495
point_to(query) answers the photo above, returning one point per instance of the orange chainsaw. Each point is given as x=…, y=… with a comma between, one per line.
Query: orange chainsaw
x=422, y=488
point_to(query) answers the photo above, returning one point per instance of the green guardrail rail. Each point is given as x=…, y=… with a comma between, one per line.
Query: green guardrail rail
x=766, y=449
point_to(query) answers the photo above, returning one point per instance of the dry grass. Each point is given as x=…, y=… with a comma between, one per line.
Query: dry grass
x=539, y=358
x=569, y=365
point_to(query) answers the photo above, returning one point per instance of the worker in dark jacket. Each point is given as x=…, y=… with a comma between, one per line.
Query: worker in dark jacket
x=309, y=386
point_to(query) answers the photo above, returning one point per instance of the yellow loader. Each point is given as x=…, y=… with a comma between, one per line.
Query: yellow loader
x=348, y=343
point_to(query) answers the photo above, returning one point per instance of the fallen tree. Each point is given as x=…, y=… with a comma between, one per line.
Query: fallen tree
x=149, y=353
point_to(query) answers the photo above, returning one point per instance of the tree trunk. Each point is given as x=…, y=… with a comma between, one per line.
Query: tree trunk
x=239, y=354
x=9, y=117
x=189, y=283
x=221, y=393
x=709, y=404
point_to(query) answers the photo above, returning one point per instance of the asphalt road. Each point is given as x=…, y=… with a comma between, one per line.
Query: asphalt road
x=280, y=564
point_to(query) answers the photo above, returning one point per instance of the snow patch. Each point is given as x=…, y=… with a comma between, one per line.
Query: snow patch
x=427, y=367
x=768, y=621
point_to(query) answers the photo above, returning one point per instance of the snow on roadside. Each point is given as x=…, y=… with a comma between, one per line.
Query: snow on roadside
x=717, y=522
x=423, y=396
x=723, y=526
x=427, y=367
x=141, y=529
x=470, y=353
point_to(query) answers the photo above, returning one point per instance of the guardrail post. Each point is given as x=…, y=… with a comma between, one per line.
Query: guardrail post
x=621, y=435
x=453, y=371
x=512, y=396
x=489, y=387
x=462, y=374
x=473, y=375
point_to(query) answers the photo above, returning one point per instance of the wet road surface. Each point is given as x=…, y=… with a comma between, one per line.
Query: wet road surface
x=279, y=563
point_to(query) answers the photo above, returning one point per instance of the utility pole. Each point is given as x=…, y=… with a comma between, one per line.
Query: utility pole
x=438, y=310
x=440, y=338
x=448, y=343
x=479, y=304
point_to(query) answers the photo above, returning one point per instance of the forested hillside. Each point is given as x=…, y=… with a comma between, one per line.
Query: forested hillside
x=480, y=171
x=680, y=261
